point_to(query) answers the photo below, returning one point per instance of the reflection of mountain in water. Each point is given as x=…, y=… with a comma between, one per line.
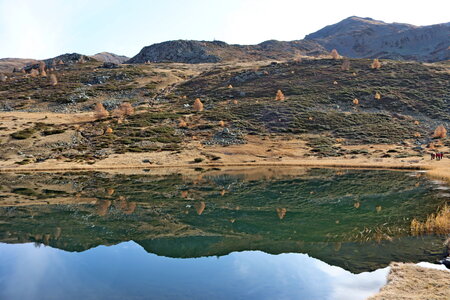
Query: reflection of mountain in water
x=355, y=219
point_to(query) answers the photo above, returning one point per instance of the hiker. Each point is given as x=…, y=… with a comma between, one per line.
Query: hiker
x=433, y=156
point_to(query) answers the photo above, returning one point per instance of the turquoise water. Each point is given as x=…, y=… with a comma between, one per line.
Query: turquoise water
x=242, y=234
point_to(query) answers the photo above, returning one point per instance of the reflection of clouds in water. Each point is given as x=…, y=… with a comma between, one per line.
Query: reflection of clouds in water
x=346, y=286
x=28, y=271
x=299, y=276
x=126, y=270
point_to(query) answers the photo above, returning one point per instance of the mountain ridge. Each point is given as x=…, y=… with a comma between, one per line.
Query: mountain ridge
x=354, y=37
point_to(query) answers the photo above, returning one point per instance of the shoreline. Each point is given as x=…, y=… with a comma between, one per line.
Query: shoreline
x=225, y=165
x=439, y=171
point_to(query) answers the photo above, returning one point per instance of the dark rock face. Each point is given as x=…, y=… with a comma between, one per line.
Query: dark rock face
x=68, y=58
x=211, y=52
x=367, y=38
x=177, y=51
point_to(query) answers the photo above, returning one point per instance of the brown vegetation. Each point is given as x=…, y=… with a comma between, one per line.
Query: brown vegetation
x=198, y=105
x=221, y=123
x=34, y=73
x=53, y=80
x=355, y=101
x=345, y=65
x=279, y=96
x=100, y=112
x=377, y=96
x=438, y=223
x=182, y=124
x=200, y=207
x=42, y=67
x=125, y=109
x=409, y=281
x=375, y=64
x=281, y=212
x=440, y=132
x=334, y=54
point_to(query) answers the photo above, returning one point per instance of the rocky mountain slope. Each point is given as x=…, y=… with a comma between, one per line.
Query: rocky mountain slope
x=367, y=38
x=7, y=65
x=110, y=57
x=212, y=52
x=353, y=37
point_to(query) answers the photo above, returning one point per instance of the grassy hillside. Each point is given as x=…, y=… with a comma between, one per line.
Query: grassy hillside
x=319, y=106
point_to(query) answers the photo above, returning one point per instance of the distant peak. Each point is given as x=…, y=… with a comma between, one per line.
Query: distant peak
x=363, y=20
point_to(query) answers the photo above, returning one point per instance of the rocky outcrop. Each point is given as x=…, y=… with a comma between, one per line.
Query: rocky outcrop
x=211, y=52
x=178, y=51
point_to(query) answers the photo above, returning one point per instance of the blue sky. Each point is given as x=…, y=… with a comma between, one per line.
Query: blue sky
x=46, y=28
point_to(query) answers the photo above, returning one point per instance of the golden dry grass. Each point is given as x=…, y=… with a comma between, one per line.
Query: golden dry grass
x=438, y=223
x=409, y=281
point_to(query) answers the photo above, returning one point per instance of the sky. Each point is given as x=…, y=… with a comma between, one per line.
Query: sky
x=46, y=28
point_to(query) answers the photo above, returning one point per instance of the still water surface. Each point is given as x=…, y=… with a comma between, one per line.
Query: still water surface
x=242, y=234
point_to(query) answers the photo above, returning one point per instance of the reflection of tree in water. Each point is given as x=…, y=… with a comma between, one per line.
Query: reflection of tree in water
x=200, y=207
x=281, y=212
x=239, y=206
x=102, y=207
x=121, y=203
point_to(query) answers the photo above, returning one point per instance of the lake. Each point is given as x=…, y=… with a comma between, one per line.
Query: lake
x=255, y=233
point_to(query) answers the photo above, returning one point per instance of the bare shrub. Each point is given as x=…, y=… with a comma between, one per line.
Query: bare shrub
x=42, y=67
x=200, y=207
x=125, y=109
x=281, y=212
x=345, y=65
x=34, y=73
x=182, y=124
x=198, y=105
x=100, y=112
x=440, y=132
x=375, y=64
x=279, y=96
x=53, y=79
x=334, y=54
